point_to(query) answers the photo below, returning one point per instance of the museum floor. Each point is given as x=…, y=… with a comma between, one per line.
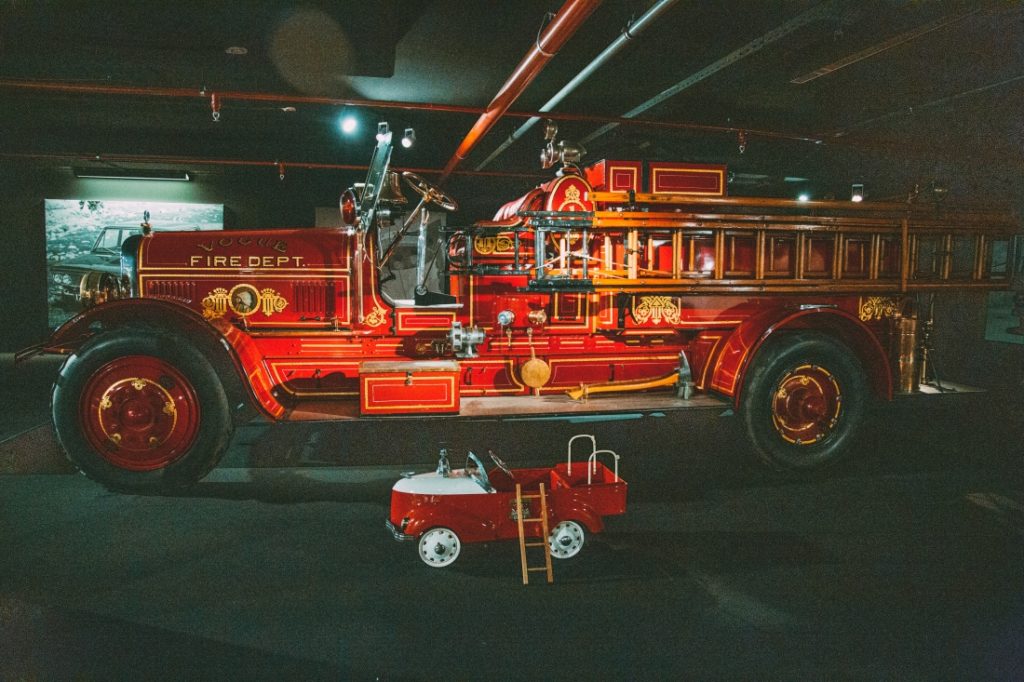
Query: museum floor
x=905, y=563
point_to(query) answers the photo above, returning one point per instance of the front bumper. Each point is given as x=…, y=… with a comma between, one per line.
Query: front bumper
x=399, y=535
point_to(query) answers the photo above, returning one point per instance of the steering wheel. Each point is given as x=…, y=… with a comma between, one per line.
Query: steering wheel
x=430, y=192
x=501, y=464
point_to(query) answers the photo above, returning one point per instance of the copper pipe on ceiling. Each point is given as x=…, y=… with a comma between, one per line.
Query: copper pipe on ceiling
x=630, y=32
x=562, y=27
x=65, y=88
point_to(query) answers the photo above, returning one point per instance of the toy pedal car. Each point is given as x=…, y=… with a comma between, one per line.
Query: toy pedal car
x=445, y=508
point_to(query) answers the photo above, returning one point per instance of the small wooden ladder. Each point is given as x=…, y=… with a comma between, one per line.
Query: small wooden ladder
x=543, y=521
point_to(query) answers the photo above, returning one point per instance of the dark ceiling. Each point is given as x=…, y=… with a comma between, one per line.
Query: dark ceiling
x=904, y=93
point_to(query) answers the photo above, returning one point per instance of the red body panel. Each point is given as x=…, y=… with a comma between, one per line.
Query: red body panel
x=686, y=178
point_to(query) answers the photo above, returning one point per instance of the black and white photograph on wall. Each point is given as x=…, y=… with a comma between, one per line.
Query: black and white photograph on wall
x=83, y=244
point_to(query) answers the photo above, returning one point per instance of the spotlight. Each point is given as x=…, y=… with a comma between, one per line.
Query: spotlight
x=349, y=124
x=408, y=138
x=383, y=131
x=804, y=197
x=857, y=192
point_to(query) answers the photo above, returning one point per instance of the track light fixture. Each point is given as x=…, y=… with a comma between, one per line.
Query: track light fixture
x=857, y=192
x=383, y=131
x=408, y=138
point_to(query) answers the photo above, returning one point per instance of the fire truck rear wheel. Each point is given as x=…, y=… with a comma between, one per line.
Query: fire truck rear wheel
x=805, y=399
x=140, y=410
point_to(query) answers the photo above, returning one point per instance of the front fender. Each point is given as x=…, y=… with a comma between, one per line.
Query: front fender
x=232, y=352
x=740, y=348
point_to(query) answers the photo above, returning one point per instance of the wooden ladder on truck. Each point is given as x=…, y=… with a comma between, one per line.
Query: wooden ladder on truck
x=543, y=521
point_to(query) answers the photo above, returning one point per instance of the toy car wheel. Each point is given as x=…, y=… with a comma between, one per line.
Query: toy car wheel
x=566, y=540
x=439, y=547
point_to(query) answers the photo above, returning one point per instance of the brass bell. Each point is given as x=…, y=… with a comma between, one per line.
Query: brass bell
x=391, y=192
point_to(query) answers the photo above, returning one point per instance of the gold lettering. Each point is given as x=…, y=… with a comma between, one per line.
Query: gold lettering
x=254, y=261
x=194, y=259
x=220, y=261
x=207, y=246
x=235, y=261
x=280, y=246
x=244, y=241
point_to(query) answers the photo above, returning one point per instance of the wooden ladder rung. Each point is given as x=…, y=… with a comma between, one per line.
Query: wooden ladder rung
x=543, y=542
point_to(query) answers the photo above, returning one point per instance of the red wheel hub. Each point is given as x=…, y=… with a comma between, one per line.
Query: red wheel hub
x=139, y=413
x=806, y=405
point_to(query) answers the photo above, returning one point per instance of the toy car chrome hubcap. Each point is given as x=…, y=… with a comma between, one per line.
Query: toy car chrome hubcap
x=566, y=540
x=439, y=547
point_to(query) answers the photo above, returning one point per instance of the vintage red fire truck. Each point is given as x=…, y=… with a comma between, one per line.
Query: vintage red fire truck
x=586, y=285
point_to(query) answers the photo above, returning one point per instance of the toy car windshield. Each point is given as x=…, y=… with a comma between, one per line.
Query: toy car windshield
x=475, y=470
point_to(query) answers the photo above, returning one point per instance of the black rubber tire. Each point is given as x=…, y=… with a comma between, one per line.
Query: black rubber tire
x=773, y=362
x=207, y=446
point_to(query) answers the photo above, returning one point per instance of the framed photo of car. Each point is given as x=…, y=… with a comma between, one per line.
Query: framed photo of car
x=84, y=238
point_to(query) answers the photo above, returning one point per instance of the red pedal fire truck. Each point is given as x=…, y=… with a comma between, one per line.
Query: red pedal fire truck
x=586, y=285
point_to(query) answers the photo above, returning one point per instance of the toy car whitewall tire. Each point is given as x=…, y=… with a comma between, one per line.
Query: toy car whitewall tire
x=439, y=547
x=566, y=540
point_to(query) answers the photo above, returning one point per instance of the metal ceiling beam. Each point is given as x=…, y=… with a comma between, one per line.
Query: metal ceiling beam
x=632, y=30
x=562, y=27
x=878, y=48
x=810, y=16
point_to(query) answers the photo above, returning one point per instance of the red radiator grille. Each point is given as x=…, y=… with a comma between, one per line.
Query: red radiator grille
x=310, y=297
x=179, y=290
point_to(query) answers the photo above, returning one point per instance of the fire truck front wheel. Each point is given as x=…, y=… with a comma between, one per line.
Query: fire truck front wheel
x=140, y=410
x=805, y=399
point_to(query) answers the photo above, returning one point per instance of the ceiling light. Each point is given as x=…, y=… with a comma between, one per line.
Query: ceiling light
x=134, y=174
x=349, y=124
x=804, y=197
x=383, y=131
x=408, y=138
x=857, y=192
x=236, y=51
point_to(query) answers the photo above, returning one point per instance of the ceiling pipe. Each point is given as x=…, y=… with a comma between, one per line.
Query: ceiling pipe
x=632, y=30
x=810, y=16
x=562, y=27
x=192, y=161
x=278, y=98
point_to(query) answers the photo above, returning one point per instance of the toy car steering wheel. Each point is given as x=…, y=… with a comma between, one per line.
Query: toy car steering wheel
x=430, y=192
x=501, y=464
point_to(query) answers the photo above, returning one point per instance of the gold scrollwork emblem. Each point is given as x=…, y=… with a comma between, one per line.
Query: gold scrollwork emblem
x=878, y=308
x=243, y=300
x=572, y=198
x=485, y=246
x=657, y=309
x=376, y=318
